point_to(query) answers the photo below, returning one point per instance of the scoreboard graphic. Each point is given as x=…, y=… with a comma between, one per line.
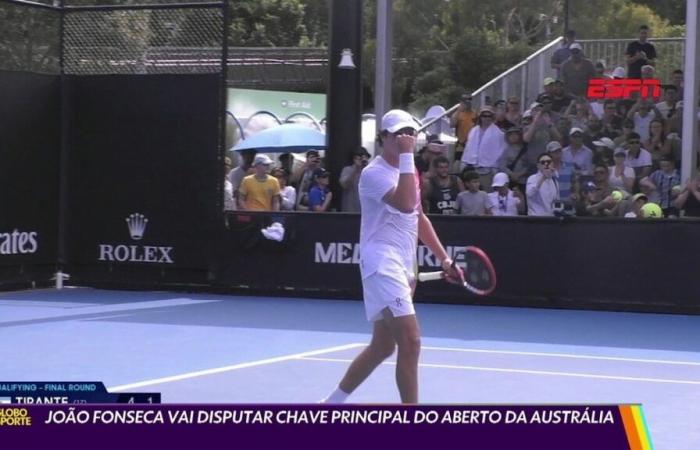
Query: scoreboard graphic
x=68, y=392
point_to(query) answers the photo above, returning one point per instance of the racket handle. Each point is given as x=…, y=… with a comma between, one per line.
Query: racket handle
x=431, y=276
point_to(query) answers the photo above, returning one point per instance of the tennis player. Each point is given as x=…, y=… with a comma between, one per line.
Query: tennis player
x=392, y=223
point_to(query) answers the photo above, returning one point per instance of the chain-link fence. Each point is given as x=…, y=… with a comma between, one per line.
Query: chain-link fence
x=151, y=40
x=29, y=37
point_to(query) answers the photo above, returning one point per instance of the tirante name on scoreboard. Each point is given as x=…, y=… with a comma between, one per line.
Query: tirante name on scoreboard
x=57, y=392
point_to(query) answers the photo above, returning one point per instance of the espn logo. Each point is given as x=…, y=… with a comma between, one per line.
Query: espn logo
x=622, y=88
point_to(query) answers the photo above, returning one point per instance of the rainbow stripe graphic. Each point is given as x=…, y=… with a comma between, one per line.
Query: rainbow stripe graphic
x=636, y=427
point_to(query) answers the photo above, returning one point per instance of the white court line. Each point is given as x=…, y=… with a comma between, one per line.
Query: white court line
x=201, y=373
x=531, y=372
x=564, y=355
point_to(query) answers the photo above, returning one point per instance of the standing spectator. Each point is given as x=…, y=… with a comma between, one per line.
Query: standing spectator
x=637, y=158
x=677, y=81
x=513, y=112
x=236, y=175
x=303, y=176
x=668, y=106
x=485, y=145
x=594, y=130
x=640, y=53
x=577, y=71
x=229, y=204
x=514, y=162
x=319, y=195
x=577, y=154
x=463, y=121
x=689, y=198
x=260, y=192
x=621, y=176
x=288, y=194
x=562, y=53
x=423, y=160
x=542, y=188
x=578, y=113
x=539, y=134
x=439, y=193
x=504, y=201
x=563, y=172
x=473, y=202
x=350, y=180
x=663, y=181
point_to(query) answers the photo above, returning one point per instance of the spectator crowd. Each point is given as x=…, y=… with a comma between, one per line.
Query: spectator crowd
x=563, y=154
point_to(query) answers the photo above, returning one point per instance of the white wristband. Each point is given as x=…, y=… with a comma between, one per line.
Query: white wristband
x=406, y=164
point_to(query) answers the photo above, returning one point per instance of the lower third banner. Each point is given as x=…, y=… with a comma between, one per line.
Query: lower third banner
x=571, y=427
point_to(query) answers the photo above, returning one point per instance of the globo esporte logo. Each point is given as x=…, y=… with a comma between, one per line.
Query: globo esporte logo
x=19, y=242
x=136, y=225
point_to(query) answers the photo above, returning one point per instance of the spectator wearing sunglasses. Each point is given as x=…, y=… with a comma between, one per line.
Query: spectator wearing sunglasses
x=542, y=188
x=505, y=202
x=637, y=158
x=485, y=146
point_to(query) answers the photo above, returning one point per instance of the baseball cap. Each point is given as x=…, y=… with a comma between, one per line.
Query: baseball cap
x=397, y=119
x=499, y=180
x=553, y=146
x=636, y=197
x=619, y=72
x=605, y=142
x=620, y=152
x=549, y=80
x=486, y=108
x=514, y=130
x=262, y=159
x=321, y=172
x=575, y=46
x=575, y=130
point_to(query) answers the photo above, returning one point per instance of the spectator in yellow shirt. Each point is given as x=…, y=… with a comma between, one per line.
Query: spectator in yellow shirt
x=463, y=121
x=260, y=191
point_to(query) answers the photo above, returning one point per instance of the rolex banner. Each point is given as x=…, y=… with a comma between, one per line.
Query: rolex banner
x=144, y=174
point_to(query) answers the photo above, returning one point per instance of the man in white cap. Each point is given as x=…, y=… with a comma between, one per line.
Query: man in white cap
x=505, y=202
x=577, y=71
x=577, y=154
x=260, y=191
x=392, y=221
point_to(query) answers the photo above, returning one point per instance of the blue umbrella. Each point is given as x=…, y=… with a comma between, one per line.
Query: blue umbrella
x=286, y=138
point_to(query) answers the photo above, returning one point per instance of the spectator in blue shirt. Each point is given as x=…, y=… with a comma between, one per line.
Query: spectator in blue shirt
x=319, y=195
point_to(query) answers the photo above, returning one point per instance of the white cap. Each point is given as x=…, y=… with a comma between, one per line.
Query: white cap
x=397, y=119
x=262, y=159
x=575, y=130
x=575, y=46
x=553, y=146
x=619, y=72
x=605, y=142
x=500, y=179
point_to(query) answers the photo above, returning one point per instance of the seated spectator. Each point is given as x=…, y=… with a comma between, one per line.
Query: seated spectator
x=578, y=113
x=302, y=178
x=611, y=121
x=515, y=161
x=663, y=181
x=473, y=202
x=668, y=106
x=563, y=127
x=688, y=199
x=320, y=195
x=621, y=176
x=642, y=113
x=637, y=158
x=632, y=207
x=260, y=192
x=648, y=72
x=439, y=192
x=594, y=130
x=504, y=201
x=287, y=193
x=597, y=200
x=560, y=98
x=433, y=148
x=548, y=85
x=513, y=111
x=656, y=141
x=542, y=189
x=577, y=154
x=603, y=151
x=677, y=81
x=600, y=69
x=627, y=128
x=350, y=180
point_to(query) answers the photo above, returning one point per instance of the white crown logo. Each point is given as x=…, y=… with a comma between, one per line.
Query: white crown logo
x=137, y=225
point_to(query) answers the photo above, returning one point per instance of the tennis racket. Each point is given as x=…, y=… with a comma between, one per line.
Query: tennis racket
x=479, y=274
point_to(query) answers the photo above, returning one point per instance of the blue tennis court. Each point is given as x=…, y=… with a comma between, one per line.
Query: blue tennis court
x=201, y=348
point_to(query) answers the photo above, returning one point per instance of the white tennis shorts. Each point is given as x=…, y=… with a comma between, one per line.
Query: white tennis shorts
x=384, y=291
